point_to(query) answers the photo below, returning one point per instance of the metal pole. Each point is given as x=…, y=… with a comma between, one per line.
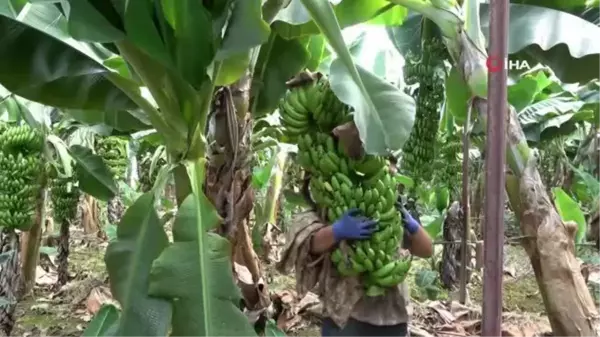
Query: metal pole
x=494, y=177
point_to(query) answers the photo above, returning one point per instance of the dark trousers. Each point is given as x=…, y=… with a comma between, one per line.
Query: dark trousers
x=358, y=328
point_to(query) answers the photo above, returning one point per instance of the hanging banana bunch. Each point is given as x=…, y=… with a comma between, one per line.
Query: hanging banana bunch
x=448, y=163
x=428, y=71
x=309, y=113
x=64, y=194
x=113, y=151
x=22, y=172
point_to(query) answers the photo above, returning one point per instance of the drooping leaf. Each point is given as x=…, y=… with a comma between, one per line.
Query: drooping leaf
x=384, y=115
x=36, y=65
x=104, y=321
x=195, y=272
x=569, y=210
x=295, y=20
x=544, y=110
x=278, y=61
x=94, y=177
x=140, y=240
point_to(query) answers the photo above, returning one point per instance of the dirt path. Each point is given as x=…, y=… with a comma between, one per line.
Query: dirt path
x=68, y=312
x=63, y=313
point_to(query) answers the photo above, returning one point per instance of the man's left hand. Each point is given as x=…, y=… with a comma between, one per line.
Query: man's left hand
x=410, y=224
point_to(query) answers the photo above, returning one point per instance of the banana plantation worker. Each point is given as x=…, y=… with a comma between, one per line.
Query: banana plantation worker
x=348, y=311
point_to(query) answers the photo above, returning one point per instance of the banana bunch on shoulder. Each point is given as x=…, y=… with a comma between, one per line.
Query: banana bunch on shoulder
x=312, y=107
x=339, y=184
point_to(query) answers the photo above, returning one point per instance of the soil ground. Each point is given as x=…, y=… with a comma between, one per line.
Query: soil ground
x=67, y=313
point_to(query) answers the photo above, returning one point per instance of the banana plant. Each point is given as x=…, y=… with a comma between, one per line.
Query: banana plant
x=156, y=65
x=60, y=161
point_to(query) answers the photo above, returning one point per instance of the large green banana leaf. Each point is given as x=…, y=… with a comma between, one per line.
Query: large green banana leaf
x=564, y=42
x=140, y=240
x=195, y=274
x=38, y=61
x=384, y=114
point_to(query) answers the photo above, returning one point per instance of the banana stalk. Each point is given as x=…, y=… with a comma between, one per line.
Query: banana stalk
x=566, y=297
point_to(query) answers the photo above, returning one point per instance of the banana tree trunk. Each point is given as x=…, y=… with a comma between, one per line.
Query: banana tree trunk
x=267, y=220
x=89, y=215
x=9, y=280
x=550, y=241
x=228, y=180
x=115, y=210
x=30, y=246
x=62, y=258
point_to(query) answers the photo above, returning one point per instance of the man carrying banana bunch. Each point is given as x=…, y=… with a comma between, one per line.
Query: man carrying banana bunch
x=348, y=311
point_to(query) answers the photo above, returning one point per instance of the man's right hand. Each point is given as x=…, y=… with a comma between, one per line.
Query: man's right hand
x=353, y=226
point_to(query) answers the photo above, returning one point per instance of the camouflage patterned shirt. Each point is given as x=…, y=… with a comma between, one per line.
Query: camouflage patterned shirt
x=342, y=297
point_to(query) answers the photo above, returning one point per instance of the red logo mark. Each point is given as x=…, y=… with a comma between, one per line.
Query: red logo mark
x=493, y=64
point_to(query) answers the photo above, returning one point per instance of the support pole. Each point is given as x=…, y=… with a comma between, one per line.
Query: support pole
x=494, y=178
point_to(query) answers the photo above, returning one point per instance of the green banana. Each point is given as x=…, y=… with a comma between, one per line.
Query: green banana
x=339, y=183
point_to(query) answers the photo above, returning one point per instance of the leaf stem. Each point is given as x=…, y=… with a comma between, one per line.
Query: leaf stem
x=197, y=140
x=196, y=173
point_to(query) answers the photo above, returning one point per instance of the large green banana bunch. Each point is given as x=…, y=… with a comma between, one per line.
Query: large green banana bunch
x=22, y=171
x=338, y=184
x=113, y=151
x=311, y=107
x=419, y=150
x=64, y=194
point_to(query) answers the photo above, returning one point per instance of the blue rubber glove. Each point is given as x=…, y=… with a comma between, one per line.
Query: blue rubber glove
x=410, y=224
x=352, y=226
